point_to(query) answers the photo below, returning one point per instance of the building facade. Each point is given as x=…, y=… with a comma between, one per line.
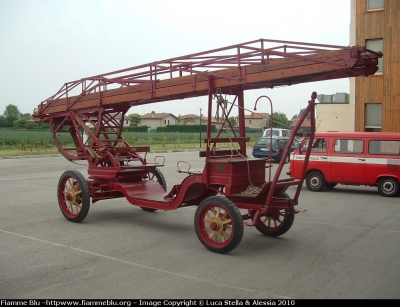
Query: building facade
x=376, y=24
x=374, y=102
x=334, y=112
x=155, y=120
x=255, y=120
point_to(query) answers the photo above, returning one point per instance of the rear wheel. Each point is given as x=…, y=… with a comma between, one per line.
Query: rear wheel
x=218, y=224
x=73, y=196
x=276, y=222
x=315, y=182
x=388, y=187
x=156, y=175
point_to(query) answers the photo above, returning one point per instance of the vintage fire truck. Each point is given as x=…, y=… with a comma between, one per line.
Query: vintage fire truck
x=232, y=190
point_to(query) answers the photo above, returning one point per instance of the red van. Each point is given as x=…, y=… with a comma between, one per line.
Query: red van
x=350, y=158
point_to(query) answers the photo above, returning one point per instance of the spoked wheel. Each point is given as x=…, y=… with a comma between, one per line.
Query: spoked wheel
x=277, y=222
x=156, y=175
x=73, y=196
x=218, y=224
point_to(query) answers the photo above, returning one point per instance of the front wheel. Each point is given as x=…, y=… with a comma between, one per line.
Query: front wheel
x=276, y=222
x=315, y=182
x=287, y=159
x=388, y=187
x=218, y=224
x=73, y=196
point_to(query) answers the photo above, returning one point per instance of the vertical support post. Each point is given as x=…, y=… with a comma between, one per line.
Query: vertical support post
x=242, y=124
x=200, y=127
x=210, y=92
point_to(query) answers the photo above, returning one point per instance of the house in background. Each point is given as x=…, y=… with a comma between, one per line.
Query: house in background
x=155, y=120
x=255, y=120
x=305, y=127
x=192, y=119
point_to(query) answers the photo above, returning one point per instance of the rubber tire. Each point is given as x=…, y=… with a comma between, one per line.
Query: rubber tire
x=232, y=213
x=161, y=180
x=315, y=181
x=85, y=196
x=388, y=186
x=284, y=225
x=329, y=185
x=287, y=159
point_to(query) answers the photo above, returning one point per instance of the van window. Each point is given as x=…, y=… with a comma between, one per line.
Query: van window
x=277, y=132
x=384, y=147
x=349, y=146
x=319, y=145
x=274, y=132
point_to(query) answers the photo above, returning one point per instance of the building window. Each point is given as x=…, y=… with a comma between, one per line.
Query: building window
x=374, y=5
x=373, y=117
x=376, y=45
x=249, y=121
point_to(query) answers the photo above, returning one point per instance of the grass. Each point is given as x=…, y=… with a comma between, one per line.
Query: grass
x=11, y=151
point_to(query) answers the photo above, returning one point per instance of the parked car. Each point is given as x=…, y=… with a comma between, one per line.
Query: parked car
x=262, y=147
x=277, y=132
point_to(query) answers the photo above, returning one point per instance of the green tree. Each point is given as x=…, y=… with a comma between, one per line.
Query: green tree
x=11, y=114
x=135, y=119
x=280, y=120
x=233, y=121
x=22, y=121
x=2, y=121
x=301, y=113
x=178, y=120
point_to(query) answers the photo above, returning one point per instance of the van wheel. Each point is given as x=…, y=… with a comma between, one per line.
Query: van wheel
x=388, y=187
x=315, y=182
x=287, y=159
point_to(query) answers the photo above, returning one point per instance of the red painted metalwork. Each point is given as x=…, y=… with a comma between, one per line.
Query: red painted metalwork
x=117, y=169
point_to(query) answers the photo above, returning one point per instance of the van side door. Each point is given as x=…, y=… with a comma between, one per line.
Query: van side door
x=317, y=161
x=347, y=161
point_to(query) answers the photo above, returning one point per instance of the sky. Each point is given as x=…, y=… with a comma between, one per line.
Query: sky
x=46, y=43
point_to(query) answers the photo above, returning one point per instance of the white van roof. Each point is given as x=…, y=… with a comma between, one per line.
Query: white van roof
x=277, y=132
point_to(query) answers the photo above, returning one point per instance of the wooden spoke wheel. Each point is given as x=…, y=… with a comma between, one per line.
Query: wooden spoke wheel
x=218, y=224
x=277, y=222
x=73, y=196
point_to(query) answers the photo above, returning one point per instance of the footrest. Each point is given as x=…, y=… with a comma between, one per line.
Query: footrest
x=191, y=171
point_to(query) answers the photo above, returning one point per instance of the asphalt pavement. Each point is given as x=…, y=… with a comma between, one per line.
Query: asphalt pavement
x=345, y=244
